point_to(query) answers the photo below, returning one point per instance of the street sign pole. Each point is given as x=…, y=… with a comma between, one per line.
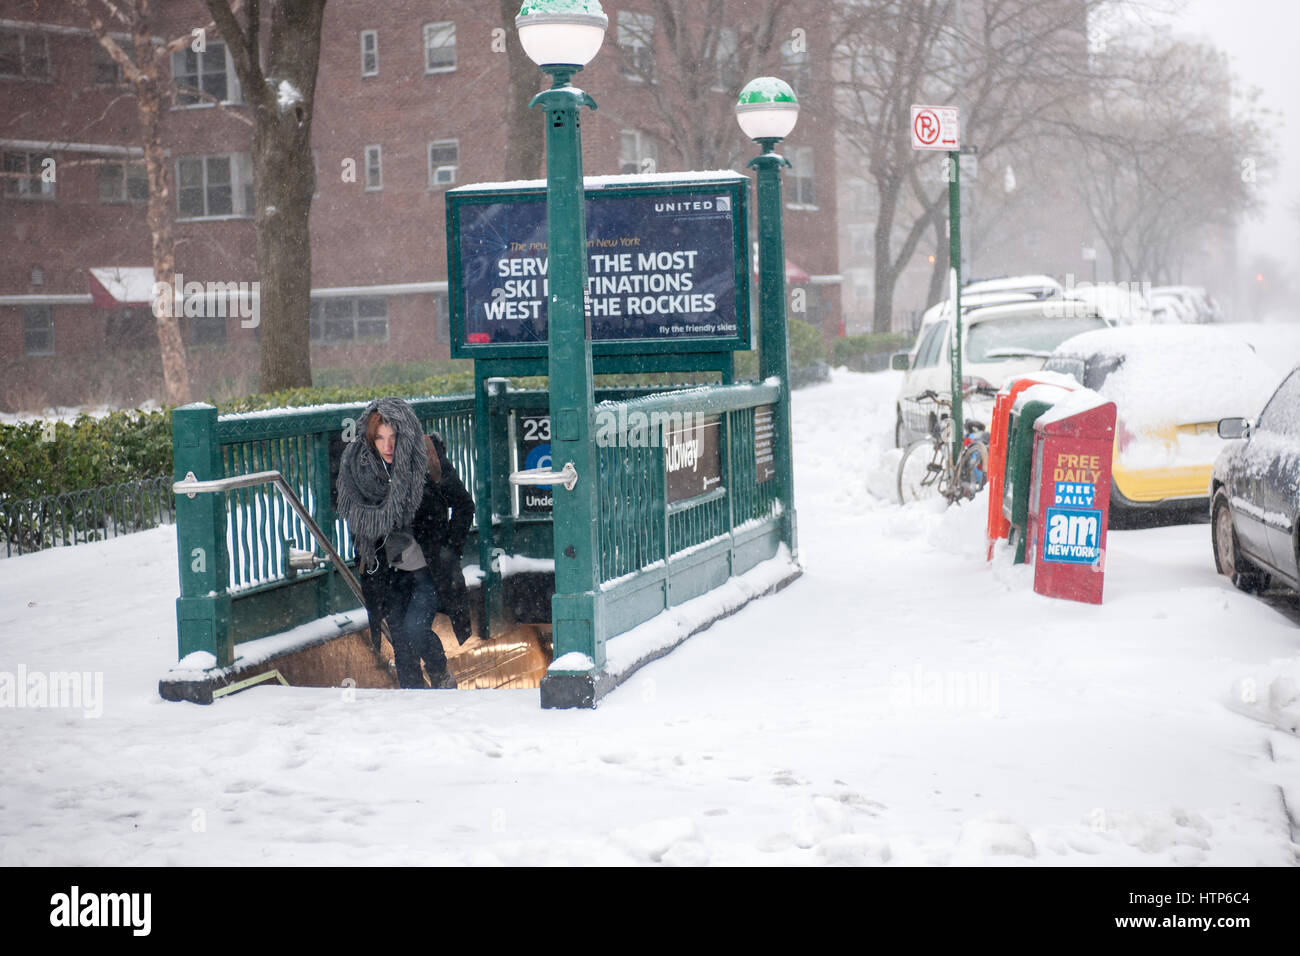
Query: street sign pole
x=954, y=262
x=937, y=128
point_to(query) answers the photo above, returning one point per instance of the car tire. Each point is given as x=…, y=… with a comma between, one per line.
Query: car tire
x=1228, y=559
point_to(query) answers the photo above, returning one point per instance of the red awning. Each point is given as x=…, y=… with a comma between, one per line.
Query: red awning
x=116, y=286
x=793, y=273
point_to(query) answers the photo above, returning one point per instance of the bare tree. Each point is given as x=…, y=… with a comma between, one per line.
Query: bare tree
x=524, y=125
x=703, y=52
x=144, y=69
x=1165, y=155
x=282, y=96
x=1007, y=64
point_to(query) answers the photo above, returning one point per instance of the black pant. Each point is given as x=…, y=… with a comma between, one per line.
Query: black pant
x=413, y=637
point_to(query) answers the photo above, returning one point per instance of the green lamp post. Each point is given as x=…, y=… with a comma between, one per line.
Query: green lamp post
x=767, y=111
x=561, y=37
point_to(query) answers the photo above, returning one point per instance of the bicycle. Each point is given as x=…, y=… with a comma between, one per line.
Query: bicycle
x=927, y=468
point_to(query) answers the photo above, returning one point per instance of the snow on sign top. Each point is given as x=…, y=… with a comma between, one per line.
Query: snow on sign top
x=935, y=127
x=615, y=179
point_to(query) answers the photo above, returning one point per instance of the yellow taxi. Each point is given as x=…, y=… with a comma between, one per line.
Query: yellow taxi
x=1171, y=385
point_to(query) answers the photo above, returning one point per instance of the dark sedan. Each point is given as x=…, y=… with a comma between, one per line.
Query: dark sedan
x=1255, y=494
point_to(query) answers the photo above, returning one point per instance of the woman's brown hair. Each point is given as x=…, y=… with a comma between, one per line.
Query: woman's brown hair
x=372, y=429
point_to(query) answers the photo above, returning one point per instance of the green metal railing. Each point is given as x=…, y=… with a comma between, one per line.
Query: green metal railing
x=233, y=547
x=237, y=582
x=654, y=554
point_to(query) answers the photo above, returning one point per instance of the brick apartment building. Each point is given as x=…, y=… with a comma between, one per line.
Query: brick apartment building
x=411, y=97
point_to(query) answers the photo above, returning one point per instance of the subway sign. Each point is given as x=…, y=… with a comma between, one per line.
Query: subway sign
x=666, y=266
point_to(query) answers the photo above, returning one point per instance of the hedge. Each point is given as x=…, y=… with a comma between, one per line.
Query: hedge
x=46, y=458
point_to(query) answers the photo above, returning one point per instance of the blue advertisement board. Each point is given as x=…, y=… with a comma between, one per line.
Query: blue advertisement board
x=665, y=267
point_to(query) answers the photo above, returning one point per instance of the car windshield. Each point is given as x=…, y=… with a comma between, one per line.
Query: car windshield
x=996, y=339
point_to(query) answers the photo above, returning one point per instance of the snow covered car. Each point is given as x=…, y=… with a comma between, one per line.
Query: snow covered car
x=1037, y=286
x=1187, y=303
x=1117, y=303
x=1255, y=493
x=1170, y=384
x=1001, y=342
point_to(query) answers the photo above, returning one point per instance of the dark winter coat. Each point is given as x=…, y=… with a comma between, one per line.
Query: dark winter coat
x=414, y=494
x=440, y=527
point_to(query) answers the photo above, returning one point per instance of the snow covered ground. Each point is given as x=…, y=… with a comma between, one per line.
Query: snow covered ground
x=904, y=702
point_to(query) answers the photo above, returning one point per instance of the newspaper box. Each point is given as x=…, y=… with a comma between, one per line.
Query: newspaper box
x=1070, y=497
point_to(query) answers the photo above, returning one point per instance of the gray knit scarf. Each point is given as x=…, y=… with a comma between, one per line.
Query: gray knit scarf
x=375, y=499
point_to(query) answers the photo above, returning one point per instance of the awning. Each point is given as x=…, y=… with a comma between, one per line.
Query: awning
x=117, y=286
x=793, y=273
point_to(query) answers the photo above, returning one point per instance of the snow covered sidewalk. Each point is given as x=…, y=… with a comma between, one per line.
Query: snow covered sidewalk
x=902, y=703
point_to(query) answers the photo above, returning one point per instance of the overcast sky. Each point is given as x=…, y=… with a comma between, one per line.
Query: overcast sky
x=1262, y=37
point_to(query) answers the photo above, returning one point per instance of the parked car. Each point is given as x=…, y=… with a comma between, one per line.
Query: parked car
x=1000, y=343
x=1170, y=384
x=1038, y=286
x=1117, y=303
x=1193, y=302
x=1256, y=494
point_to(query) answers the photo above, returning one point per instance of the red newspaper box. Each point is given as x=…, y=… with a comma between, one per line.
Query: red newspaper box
x=1069, y=500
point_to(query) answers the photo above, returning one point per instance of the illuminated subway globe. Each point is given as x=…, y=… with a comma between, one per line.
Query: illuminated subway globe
x=767, y=108
x=561, y=32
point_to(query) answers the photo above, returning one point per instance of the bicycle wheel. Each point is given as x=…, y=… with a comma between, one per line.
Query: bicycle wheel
x=972, y=471
x=919, y=471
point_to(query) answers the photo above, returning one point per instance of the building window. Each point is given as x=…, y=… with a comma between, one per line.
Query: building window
x=801, y=192
x=369, y=53
x=638, y=152
x=796, y=68
x=374, y=168
x=441, y=317
x=25, y=175
x=444, y=157
x=359, y=321
x=727, y=59
x=24, y=55
x=214, y=186
x=860, y=239
x=204, y=77
x=131, y=328
x=106, y=69
x=636, y=45
x=38, y=329
x=439, y=47
x=209, y=328
x=123, y=182
x=858, y=196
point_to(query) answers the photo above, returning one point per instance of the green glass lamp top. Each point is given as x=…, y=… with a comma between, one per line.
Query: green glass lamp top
x=766, y=89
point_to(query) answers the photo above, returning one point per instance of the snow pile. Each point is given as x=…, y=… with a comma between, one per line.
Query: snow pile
x=902, y=703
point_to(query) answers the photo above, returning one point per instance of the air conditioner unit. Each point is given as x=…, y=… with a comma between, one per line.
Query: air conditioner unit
x=444, y=175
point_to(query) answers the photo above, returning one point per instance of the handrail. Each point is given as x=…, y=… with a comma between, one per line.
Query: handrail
x=703, y=399
x=191, y=486
x=544, y=476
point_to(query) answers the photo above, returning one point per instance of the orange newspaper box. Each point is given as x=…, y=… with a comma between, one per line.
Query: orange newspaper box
x=1069, y=500
x=999, y=435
